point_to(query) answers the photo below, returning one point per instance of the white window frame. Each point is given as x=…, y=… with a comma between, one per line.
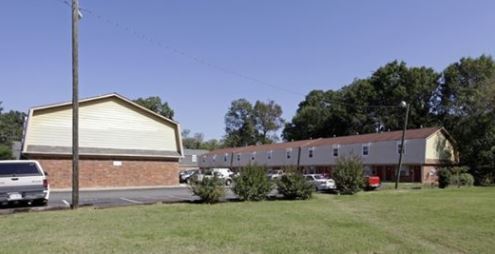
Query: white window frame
x=368, y=150
x=214, y=158
x=288, y=153
x=405, y=146
x=194, y=158
x=269, y=155
x=311, y=152
x=225, y=157
x=338, y=150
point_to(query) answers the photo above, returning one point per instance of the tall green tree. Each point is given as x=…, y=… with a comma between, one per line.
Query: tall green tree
x=464, y=104
x=353, y=108
x=154, y=103
x=268, y=118
x=240, y=124
x=197, y=141
x=11, y=127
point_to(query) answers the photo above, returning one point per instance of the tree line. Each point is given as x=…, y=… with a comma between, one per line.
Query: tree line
x=460, y=98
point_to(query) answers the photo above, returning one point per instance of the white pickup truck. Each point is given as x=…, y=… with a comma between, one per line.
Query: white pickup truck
x=23, y=181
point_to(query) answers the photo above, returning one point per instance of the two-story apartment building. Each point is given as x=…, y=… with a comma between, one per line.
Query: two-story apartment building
x=425, y=151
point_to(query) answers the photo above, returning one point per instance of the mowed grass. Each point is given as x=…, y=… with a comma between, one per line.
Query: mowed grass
x=388, y=221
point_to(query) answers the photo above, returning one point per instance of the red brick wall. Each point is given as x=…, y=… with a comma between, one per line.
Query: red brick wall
x=430, y=174
x=102, y=172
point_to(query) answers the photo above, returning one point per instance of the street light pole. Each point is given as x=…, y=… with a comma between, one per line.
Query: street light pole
x=401, y=152
x=75, y=104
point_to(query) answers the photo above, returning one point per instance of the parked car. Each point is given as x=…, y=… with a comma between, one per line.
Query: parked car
x=372, y=182
x=224, y=175
x=185, y=175
x=23, y=181
x=320, y=182
x=274, y=174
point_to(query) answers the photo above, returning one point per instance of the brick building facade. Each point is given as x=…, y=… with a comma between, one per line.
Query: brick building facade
x=121, y=144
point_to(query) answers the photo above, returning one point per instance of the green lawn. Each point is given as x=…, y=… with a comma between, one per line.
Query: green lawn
x=387, y=221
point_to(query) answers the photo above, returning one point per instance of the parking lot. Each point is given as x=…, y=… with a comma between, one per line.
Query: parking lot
x=109, y=198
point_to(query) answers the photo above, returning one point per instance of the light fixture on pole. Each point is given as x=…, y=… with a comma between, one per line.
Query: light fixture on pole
x=403, y=104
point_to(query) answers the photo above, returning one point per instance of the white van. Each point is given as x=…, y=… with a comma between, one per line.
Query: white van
x=23, y=181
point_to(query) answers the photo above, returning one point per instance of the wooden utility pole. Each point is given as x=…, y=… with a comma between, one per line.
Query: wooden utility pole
x=75, y=104
x=401, y=152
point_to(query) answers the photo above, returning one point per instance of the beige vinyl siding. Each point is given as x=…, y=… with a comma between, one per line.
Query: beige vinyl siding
x=108, y=123
x=439, y=148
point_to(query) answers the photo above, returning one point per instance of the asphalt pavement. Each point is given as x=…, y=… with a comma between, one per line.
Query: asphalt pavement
x=123, y=197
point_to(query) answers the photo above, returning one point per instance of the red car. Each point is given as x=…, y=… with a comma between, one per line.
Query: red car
x=372, y=182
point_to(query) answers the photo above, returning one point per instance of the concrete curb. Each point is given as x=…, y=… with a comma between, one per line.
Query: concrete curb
x=32, y=209
x=124, y=188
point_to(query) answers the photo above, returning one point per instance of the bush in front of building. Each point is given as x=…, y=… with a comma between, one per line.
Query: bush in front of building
x=444, y=176
x=348, y=175
x=462, y=179
x=293, y=186
x=252, y=184
x=210, y=190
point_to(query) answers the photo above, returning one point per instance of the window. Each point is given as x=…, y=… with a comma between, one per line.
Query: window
x=194, y=158
x=238, y=157
x=404, y=171
x=366, y=150
x=253, y=156
x=19, y=169
x=399, y=148
x=288, y=153
x=269, y=155
x=214, y=157
x=203, y=158
x=225, y=157
x=335, y=152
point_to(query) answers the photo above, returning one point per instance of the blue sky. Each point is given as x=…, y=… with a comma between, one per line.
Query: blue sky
x=297, y=45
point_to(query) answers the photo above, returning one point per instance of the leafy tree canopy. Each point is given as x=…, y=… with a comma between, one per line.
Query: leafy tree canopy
x=154, y=103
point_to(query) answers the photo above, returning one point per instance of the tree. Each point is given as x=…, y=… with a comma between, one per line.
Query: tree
x=353, y=108
x=11, y=126
x=197, y=141
x=240, y=124
x=348, y=175
x=464, y=103
x=154, y=103
x=268, y=117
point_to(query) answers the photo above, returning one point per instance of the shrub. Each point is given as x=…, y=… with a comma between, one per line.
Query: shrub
x=444, y=176
x=463, y=179
x=294, y=186
x=348, y=175
x=210, y=189
x=252, y=184
x=5, y=152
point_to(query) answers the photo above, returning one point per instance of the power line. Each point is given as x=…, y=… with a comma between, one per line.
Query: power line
x=176, y=51
x=199, y=60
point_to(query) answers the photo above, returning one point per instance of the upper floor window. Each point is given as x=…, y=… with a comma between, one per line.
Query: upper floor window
x=366, y=150
x=399, y=148
x=311, y=152
x=288, y=153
